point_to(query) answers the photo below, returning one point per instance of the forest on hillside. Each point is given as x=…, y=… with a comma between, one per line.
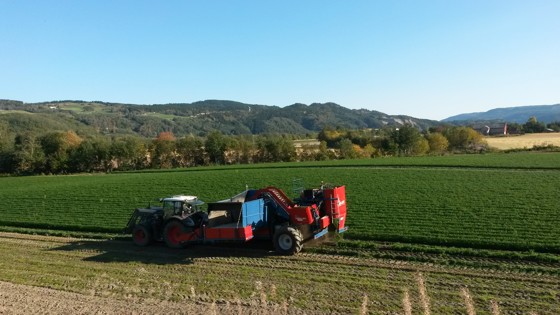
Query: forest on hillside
x=196, y=119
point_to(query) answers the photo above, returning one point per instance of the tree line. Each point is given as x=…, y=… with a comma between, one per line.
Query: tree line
x=67, y=152
x=534, y=126
x=406, y=140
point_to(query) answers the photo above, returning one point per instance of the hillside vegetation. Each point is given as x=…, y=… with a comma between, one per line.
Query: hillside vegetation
x=73, y=137
x=519, y=114
x=198, y=118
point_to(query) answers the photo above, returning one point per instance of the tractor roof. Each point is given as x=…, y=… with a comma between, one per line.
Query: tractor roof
x=193, y=200
x=237, y=198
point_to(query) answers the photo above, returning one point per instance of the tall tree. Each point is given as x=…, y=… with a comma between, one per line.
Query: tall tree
x=241, y=149
x=6, y=149
x=347, y=149
x=57, y=147
x=28, y=156
x=533, y=125
x=163, y=150
x=247, y=149
x=464, y=139
x=405, y=139
x=190, y=151
x=129, y=153
x=324, y=153
x=215, y=147
x=5, y=136
x=92, y=154
x=438, y=142
x=555, y=125
x=275, y=149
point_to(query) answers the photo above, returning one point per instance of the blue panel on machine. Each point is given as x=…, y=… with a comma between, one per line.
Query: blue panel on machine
x=254, y=213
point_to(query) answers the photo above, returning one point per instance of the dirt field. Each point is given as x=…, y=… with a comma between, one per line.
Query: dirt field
x=41, y=274
x=24, y=299
x=524, y=141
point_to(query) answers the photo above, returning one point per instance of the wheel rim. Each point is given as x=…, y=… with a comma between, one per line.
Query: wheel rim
x=173, y=234
x=285, y=242
x=139, y=236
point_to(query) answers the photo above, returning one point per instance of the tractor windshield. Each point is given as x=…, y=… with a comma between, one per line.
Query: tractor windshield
x=172, y=207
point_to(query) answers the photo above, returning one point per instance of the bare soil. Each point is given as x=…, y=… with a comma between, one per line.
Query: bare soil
x=25, y=299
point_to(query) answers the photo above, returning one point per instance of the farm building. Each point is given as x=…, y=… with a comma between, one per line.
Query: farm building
x=492, y=129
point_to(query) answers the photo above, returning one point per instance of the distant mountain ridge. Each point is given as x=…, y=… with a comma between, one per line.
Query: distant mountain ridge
x=198, y=118
x=543, y=113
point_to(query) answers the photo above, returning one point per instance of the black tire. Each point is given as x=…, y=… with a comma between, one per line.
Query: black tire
x=173, y=231
x=141, y=235
x=288, y=240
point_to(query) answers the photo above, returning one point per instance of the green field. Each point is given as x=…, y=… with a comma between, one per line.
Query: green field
x=503, y=201
x=438, y=235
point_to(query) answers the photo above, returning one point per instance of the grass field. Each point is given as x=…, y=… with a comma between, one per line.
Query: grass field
x=475, y=234
x=2, y=112
x=161, y=115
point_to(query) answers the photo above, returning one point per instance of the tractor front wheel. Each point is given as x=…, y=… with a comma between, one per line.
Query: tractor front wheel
x=288, y=240
x=173, y=234
x=141, y=235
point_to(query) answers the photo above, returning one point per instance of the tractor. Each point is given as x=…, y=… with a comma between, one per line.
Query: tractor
x=265, y=213
x=150, y=224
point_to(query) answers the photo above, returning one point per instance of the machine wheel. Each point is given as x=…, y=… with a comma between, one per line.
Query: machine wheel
x=141, y=235
x=172, y=233
x=288, y=240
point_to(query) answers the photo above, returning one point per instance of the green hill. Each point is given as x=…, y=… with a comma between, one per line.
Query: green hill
x=543, y=113
x=198, y=118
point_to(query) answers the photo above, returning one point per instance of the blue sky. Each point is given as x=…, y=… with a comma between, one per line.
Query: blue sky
x=427, y=59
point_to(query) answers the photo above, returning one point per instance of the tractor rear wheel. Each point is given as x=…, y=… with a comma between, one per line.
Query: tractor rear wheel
x=288, y=240
x=173, y=234
x=141, y=235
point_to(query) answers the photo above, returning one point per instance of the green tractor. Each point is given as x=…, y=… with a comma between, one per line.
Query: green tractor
x=148, y=224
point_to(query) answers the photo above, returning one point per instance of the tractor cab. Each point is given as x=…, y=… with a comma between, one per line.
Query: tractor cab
x=180, y=206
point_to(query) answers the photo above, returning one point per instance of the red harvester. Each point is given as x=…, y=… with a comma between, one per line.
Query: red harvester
x=265, y=213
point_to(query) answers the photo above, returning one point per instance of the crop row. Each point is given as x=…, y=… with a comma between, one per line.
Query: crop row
x=333, y=284
x=493, y=208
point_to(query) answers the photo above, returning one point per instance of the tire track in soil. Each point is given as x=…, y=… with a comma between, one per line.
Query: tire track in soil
x=254, y=257
x=445, y=281
x=344, y=265
x=23, y=299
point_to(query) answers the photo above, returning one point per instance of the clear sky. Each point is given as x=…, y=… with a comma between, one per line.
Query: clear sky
x=427, y=59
